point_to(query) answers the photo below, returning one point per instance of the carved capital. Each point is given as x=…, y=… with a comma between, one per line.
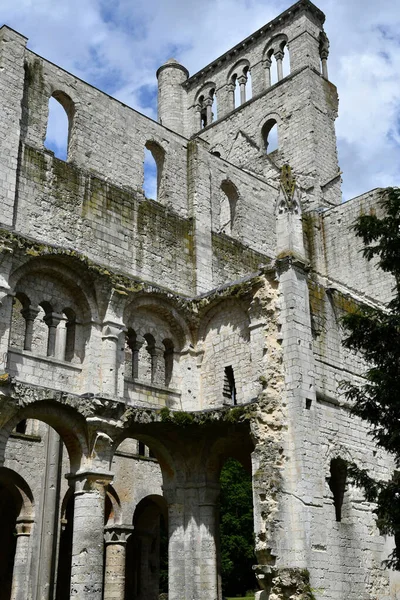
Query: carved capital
x=23, y=527
x=117, y=534
x=112, y=330
x=90, y=481
x=30, y=313
x=279, y=54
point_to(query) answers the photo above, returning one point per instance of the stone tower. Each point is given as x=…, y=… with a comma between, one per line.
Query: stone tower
x=145, y=341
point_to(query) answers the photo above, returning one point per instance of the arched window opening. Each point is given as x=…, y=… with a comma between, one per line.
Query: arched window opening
x=229, y=389
x=147, y=550
x=65, y=549
x=154, y=158
x=229, y=198
x=147, y=359
x=236, y=530
x=236, y=85
x=285, y=60
x=19, y=321
x=9, y=510
x=214, y=106
x=269, y=135
x=141, y=449
x=168, y=360
x=22, y=426
x=337, y=484
x=273, y=69
x=40, y=333
x=249, y=88
x=59, y=125
x=207, y=107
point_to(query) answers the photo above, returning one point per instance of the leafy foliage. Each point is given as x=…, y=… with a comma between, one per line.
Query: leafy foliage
x=375, y=334
x=236, y=530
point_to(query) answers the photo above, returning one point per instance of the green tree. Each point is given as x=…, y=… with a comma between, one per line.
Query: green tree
x=236, y=530
x=375, y=334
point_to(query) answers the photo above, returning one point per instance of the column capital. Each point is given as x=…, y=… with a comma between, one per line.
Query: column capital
x=279, y=54
x=242, y=79
x=267, y=62
x=30, y=313
x=52, y=319
x=89, y=481
x=112, y=330
x=23, y=526
x=117, y=534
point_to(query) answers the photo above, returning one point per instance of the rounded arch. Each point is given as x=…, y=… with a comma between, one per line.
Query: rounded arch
x=66, y=421
x=158, y=501
x=158, y=449
x=278, y=42
x=165, y=310
x=20, y=490
x=240, y=68
x=113, y=511
x=270, y=135
x=228, y=206
x=61, y=108
x=205, y=90
x=63, y=272
x=154, y=160
x=215, y=308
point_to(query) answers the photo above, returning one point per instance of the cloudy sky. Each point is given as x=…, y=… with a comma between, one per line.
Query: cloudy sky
x=117, y=46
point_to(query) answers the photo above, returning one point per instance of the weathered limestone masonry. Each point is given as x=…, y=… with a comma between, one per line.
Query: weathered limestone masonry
x=144, y=341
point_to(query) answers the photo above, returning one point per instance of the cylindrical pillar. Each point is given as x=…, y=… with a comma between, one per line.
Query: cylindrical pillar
x=324, y=63
x=208, y=543
x=176, y=551
x=242, y=80
x=115, y=537
x=20, y=581
x=29, y=315
x=208, y=103
x=267, y=65
x=109, y=360
x=88, y=535
x=52, y=320
x=230, y=89
x=279, y=58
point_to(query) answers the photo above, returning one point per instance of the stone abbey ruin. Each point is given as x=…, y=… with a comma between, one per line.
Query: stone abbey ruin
x=146, y=341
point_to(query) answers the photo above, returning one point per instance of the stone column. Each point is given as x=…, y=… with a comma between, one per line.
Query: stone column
x=279, y=58
x=324, y=63
x=88, y=535
x=267, y=66
x=242, y=80
x=20, y=582
x=29, y=315
x=158, y=360
x=208, y=542
x=176, y=546
x=230, y=88
x=209, y=116
x=52, y=320
x=115, y=537
x=109, y=362
x=198, y=117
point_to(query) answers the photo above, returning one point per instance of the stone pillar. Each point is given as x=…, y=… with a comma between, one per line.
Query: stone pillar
x=242, y=80
x=29, y=315
x=230, y=89
x=267, y=66
x=279, y=58
x=52, y=320
x=20, y=582
x=61, y=340
x=192, y=548
x=208, y=542
x=115, y=537
x=88, y=535
x=209, y=116
x=324, y=63
x=198, y=117
x=109, y=362
x=158, y=359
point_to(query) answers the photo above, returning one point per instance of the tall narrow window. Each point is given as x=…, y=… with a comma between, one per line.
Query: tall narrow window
x=285, y=61
x=229, y=198
x=168, y=360
x=59, y=125
x=154, y=157
x=229, y=390
x=70, y=334
x=131, y=355
x=249, y=89
x=269, y=135
x=337, y=484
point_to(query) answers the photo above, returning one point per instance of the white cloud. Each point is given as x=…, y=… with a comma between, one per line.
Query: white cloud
x=118, y=46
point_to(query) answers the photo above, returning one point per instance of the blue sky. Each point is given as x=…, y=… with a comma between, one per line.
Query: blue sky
x=117, y=46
